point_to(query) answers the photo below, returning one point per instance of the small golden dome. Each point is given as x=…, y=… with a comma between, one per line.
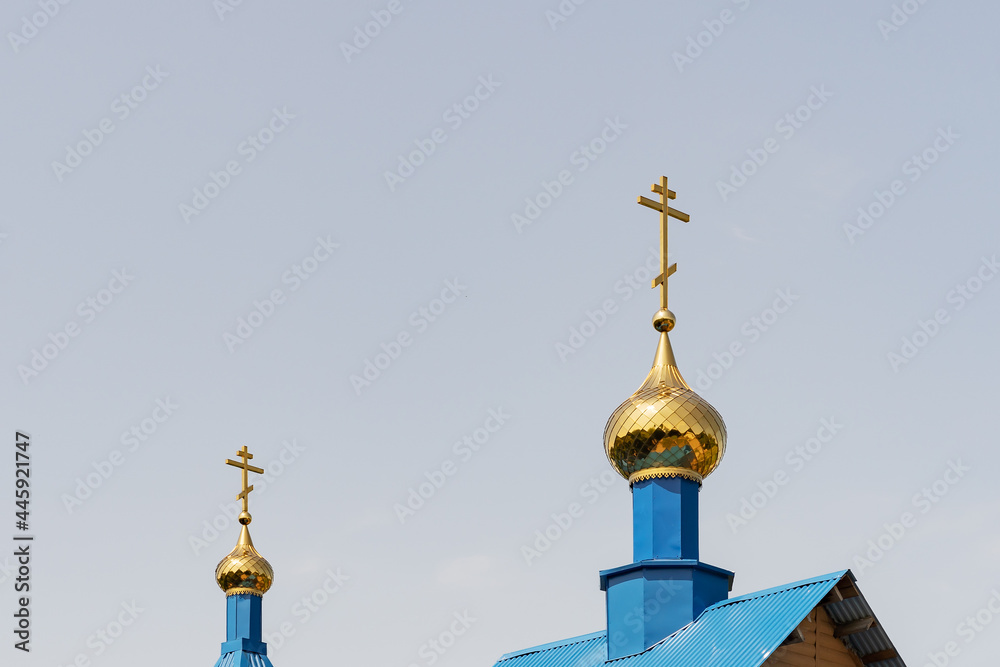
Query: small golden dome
x=665, y=429
x=244, y=570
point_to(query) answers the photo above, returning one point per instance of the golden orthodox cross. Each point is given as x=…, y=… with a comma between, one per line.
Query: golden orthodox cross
x=245, y=466
x=666, y=212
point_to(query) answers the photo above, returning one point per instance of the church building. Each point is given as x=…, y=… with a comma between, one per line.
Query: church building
x=667, y=608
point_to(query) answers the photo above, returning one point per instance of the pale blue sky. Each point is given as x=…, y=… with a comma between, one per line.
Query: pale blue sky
x=300, y=138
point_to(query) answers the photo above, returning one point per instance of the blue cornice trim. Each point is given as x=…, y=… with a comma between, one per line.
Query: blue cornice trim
x=247, y=645
x=663, y=564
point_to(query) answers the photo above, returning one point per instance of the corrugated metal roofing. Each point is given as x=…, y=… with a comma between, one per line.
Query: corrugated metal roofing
x=584, y=651
x=741, y=632
x=243, y=659
x=872, y=640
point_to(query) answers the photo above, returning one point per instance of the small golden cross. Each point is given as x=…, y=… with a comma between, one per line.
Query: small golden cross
x=666, y=213
x=245, y=466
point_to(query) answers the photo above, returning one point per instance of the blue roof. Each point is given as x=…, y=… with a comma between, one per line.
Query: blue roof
x=582, y=651
x=243, y=659
x=740, y=632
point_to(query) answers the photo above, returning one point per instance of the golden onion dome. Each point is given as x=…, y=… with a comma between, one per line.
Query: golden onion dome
x=244, y=570
x=665, y=429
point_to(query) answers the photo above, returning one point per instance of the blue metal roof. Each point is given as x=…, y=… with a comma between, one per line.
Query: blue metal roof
x=740, y=632
x=243, y=659
x=583, y=651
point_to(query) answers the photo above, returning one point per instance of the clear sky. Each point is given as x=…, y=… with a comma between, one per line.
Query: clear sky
x=218, y=217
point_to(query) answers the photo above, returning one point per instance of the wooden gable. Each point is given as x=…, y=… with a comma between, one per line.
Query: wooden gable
x=819, y=645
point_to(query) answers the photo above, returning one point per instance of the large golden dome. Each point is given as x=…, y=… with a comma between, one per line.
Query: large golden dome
x=665, y=429
x=244, y=570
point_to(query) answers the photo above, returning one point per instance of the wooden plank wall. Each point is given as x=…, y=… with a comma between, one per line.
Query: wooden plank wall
x=820, y=648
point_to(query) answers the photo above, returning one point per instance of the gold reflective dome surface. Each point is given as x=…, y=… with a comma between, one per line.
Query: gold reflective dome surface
x=665, y=429
x=244, y=570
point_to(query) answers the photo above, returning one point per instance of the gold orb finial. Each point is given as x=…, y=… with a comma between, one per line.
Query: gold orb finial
x=664, y=320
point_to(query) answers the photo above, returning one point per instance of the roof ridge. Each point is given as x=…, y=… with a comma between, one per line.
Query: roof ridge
x=833, y=576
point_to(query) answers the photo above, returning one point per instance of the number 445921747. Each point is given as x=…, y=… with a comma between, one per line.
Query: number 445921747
x=22, y=475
